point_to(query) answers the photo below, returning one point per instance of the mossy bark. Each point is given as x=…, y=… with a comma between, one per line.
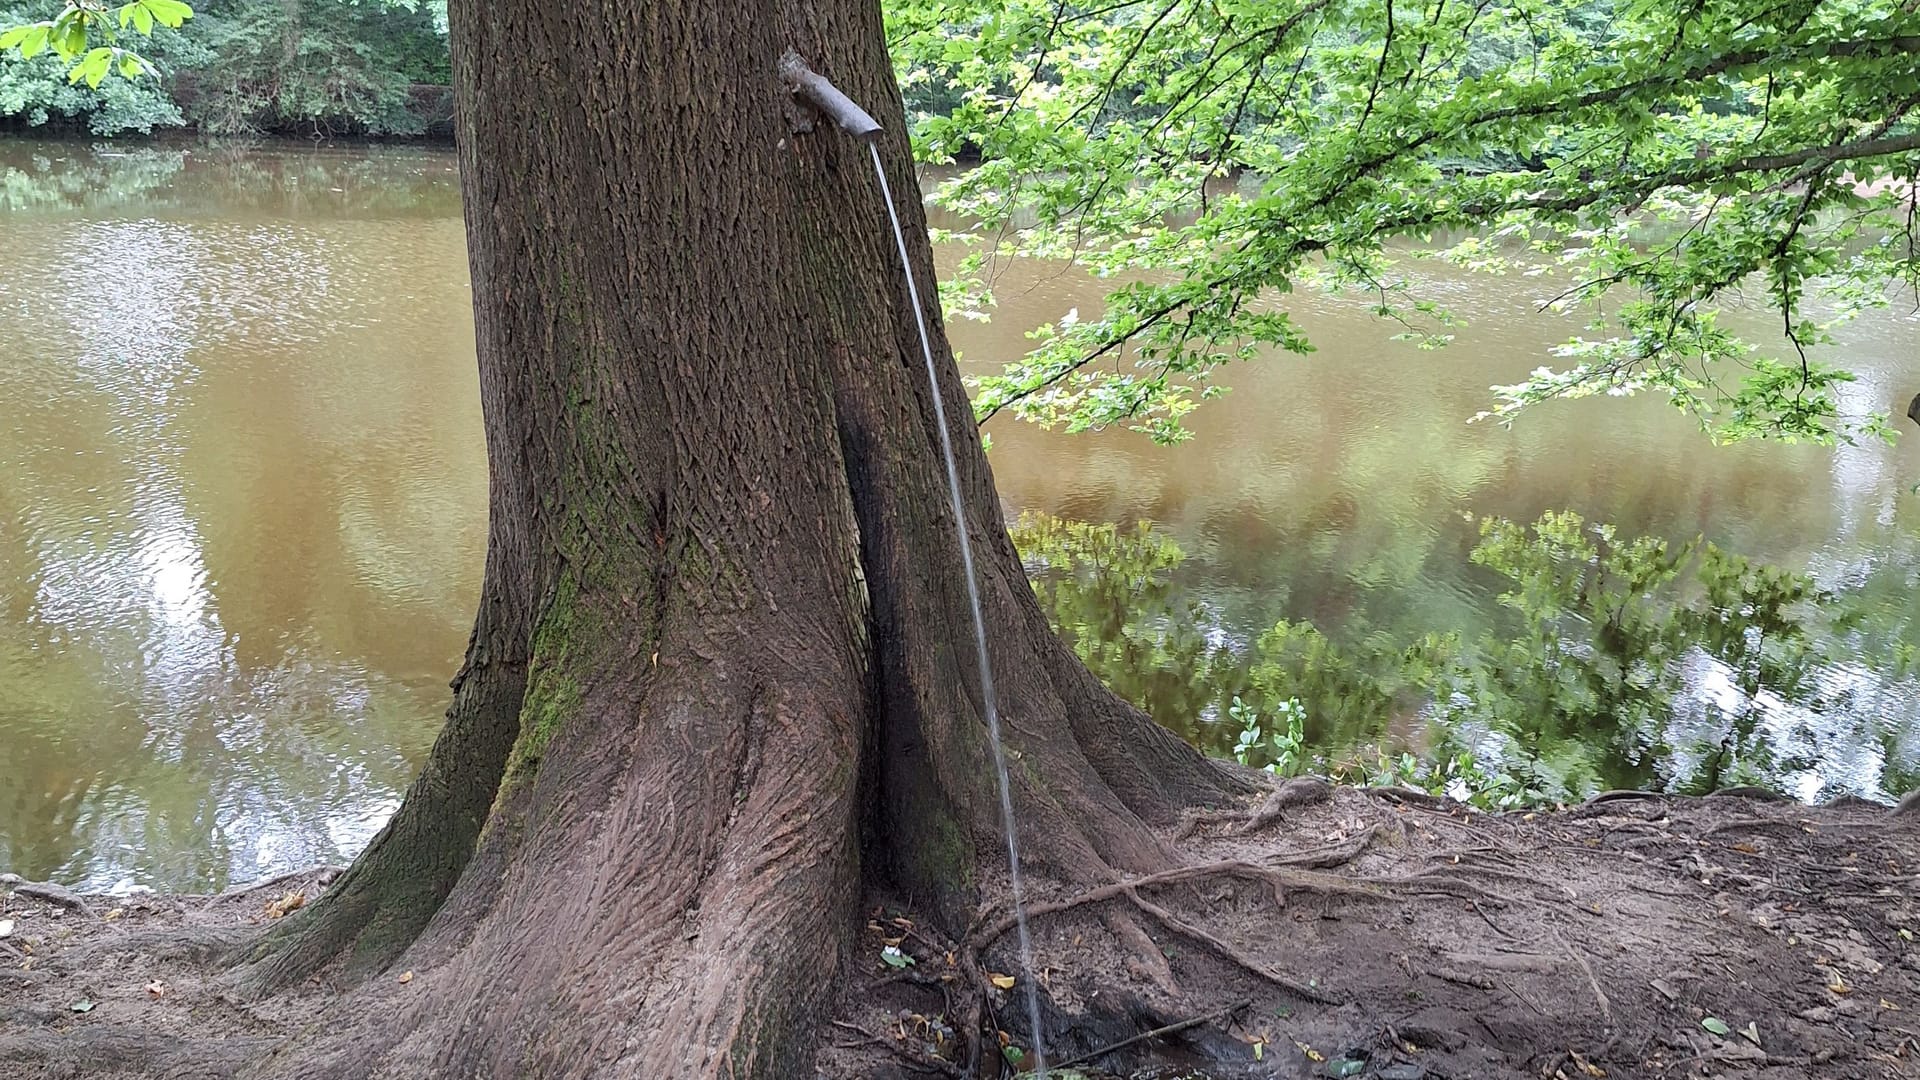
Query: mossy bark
x=739, y=637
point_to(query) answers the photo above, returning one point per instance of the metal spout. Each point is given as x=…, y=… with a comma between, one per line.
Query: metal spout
x=823, y=95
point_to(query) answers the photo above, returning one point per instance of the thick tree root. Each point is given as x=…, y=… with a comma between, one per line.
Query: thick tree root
x=1295, y=792
x=1160, y=1032
x=320, y=875
x=47, y=891
x=1279, y=878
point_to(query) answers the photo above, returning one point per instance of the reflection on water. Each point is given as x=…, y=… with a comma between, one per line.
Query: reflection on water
x=243, y=510
x=1613, y=662
x=242, y=502
x=1344, y=490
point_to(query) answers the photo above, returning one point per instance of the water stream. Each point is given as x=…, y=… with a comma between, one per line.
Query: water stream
x=987, y=697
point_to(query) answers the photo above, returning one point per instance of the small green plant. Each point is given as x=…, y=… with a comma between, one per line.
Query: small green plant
x=1459, y=776
x=1285, y=750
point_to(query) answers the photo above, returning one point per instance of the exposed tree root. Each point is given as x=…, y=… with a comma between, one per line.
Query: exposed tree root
x=90, y=1052
x=47, y=891
x=1229, y=952
x=1280, y=879
x=1331, y=856
x=1144, y=958
x=1420, y=985
x=319, y=875
x=1160, y=1032
x=1295, y=792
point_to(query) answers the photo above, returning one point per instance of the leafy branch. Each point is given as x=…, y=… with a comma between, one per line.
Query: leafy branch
x=71, y=34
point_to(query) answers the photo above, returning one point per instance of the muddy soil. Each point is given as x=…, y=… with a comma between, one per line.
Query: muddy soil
x=1321, y=933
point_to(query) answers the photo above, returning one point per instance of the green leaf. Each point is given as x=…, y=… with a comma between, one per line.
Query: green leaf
x=15, y=36
x=1345, y=1067
x=71, y=40
x=82, y=1006
x=171, y=13
x=893, y=957
x=131, y=66
x=92, y=67
x=34, y=43
x=1716, y=1025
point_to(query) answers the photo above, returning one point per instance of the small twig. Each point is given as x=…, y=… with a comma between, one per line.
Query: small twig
x=1480, y=911
x=1163, y=1030
x=914, y=1058
x=1478, y=982
x=323, y=873
x=1749, y=823
x=1606, y=1007
x=1522, y=999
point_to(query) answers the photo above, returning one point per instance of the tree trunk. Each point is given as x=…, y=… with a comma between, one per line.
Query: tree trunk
x=723, y=675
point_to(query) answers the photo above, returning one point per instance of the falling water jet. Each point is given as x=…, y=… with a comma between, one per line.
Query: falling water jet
x=857, y=122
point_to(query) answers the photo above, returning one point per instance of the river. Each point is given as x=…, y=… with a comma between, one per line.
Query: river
x=243, y=510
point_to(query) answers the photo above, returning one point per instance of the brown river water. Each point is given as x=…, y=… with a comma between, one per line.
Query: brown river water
x=242, y=501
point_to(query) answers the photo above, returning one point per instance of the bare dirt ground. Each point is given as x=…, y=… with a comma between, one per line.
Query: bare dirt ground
x=1327, y=932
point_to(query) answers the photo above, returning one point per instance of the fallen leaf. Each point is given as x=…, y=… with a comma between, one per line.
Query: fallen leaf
x=406, y=977
x=291, y=902
x=1004, y=982
x=6, y=928
x=1586, y=1066
x=1312, y=1054
x=1259, y=1051
x=113, y=914
x=156, y=988
x=1666, y=991
x=894, y=958
x=1752, y=1033
x=1836, y=984
x=82, y=1006
x=1906, y=934
x=1885, y=1004
x=1746, y=849
x=1716, y=1025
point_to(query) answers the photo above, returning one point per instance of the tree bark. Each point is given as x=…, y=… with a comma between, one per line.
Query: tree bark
x=724, y=606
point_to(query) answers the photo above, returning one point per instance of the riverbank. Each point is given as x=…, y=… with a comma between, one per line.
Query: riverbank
x=1344, y=932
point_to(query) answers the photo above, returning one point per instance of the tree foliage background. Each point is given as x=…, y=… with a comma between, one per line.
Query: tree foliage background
x=248, y=67
x=1659, y=160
